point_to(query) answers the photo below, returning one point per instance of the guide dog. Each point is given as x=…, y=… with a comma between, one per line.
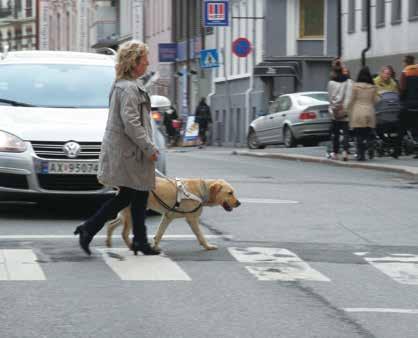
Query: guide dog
x=164, y=199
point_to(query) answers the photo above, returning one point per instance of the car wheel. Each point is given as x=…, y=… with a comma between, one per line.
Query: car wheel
x=252, y=141
x=288, y=138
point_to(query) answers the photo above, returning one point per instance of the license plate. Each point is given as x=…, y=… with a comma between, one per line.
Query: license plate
x=71, y=168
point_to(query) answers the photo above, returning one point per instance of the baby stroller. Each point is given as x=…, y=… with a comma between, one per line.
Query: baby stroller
x=387, y=123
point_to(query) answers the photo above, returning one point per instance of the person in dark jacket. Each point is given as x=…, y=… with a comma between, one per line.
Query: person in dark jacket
x=169, y=116
x=203, y=117
x=128, y=153
x=408, y=89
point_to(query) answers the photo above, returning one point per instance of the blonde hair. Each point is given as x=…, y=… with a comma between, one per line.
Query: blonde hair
x=129, y=55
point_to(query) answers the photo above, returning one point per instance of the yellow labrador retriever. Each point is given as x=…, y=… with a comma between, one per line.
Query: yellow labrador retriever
x=211, y=192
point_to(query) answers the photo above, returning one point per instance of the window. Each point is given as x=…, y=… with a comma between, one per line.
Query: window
x=413, y=10
x=364, y=14
x=28, y=8
x=311, y=16
x=396, y=11
x=351, y=16
x=380, y=13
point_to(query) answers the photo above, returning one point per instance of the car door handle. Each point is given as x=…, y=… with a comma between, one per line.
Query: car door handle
x=271, y=117
x=283, y=114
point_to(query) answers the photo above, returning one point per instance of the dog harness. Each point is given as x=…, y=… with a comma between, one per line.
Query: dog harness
x=183, y=194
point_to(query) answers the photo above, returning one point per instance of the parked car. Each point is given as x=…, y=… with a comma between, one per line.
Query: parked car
x=53, y=113
x=292, y=119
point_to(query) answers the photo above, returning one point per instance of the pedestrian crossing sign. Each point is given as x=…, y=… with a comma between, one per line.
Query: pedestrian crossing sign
x=209, y=58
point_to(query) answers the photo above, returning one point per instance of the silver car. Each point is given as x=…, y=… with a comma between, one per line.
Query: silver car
x=292, y=119
x=53, y=113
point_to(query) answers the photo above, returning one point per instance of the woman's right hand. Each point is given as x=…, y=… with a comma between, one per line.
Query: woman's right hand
x=154, y=157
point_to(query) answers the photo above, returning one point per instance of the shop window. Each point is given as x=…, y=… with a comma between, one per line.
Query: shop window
x=311, y=18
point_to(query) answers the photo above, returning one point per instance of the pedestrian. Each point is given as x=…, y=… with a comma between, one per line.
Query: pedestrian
x=169, y=116
x=384, y=81
x=408, y=87
x=360, y=107
x=128, y=154
x=393, y=74
x=203, y=117
x=339, y=93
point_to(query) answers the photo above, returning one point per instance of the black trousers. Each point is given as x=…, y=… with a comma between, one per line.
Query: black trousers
x=202, y=134
x=336, y=128
x=408, y=120
x=363, y=137
x=109, y=210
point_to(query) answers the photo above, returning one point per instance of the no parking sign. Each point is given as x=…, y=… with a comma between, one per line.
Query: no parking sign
x=241, y=47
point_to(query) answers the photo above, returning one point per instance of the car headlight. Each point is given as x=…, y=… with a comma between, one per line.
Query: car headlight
x=11, y=144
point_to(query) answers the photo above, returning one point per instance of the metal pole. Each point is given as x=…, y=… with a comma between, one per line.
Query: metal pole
x=369, y=41
x=188, y=54
x=37, y=24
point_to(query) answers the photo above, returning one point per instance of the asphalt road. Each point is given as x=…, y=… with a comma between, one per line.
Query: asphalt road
x=314, y=251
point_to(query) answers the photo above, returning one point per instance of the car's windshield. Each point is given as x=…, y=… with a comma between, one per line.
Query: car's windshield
x=56, y=85
x=311, y=99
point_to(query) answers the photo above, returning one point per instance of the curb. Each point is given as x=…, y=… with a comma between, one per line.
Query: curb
x=350, y=164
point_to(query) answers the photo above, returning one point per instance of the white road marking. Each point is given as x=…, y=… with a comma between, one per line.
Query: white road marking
x=165, y=237
x=142, y=268
x=382, y=310
x=283, y=265
x=266, y=201
x=19, y=264
x=403, y=268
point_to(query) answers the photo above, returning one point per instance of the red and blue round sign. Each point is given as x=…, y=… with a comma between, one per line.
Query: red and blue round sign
x=241, y=47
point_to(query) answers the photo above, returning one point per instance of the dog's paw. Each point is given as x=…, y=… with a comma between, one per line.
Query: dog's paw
x=210, y=247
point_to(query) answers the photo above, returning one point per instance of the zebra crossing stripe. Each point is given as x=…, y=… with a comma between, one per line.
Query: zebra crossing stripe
x=142, y=268
x=276, y=264
x=403, y=268
x=19, y=264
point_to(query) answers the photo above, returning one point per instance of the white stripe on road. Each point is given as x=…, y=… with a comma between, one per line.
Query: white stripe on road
x=266, y=201
x=165, y=237
x=144, y=268
x=381, y=310
x=403, y=268
x=19, y=265
x=283, y=265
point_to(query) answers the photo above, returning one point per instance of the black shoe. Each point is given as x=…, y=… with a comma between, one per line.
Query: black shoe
x=146, y=249
x=84, y=239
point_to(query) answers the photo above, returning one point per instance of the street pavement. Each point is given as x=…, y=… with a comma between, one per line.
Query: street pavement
x=313, y=251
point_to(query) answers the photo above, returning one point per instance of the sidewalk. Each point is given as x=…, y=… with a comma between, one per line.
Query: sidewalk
x=404, y=165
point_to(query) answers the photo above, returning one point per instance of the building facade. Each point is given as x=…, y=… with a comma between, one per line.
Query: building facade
x=394, y=32
x=17, y=24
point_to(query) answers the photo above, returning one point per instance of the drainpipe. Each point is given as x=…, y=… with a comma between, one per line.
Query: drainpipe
x=369, y=40
x=339, y=36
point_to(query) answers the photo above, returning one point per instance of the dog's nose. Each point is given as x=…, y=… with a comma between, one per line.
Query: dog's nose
x=237, y=204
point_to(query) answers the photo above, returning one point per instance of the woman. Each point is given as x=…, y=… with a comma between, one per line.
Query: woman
x=339, y=91
x=128, y=153
x=384, y=81
x=362, y=116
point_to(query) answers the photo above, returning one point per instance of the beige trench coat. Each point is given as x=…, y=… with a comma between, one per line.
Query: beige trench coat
x=361, y=113
x=127, y=142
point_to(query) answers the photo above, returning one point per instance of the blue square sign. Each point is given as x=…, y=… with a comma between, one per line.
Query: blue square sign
x=209, y=58
x=216, y=13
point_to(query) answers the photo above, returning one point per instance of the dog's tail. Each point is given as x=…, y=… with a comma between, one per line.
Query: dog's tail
x=111, y=226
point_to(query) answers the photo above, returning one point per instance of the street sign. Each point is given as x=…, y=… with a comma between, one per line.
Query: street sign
x=241, y=47
x=209, y=58
x=167, y=52
x=216, y=13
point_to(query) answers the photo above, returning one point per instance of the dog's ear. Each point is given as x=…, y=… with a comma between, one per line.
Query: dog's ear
x=214, y=189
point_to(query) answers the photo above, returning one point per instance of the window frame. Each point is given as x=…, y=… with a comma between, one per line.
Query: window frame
x=351, y=17
x=380, y=13
x=413, y=10
x=302, y=33
x=396, y=16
